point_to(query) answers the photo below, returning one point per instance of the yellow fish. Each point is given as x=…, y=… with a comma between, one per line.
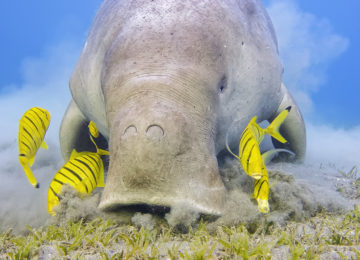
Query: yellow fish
x=261, y=186
x=249, y=150
x=32, y=128
x=84, y=171
x=261, y=191
x=251, y=159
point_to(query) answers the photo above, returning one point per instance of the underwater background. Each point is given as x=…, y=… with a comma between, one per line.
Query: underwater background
x=320, y=59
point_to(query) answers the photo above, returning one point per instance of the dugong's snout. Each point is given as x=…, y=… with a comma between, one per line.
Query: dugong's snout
x=158, y=158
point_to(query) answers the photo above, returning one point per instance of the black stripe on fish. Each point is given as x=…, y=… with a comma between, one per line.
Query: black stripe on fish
x=260, y=188
x=56, y=195
x=92, y=173
x=248, y=160
x=247, y=141
x=243, y=134
x=28, y=118
x=96, y=161
x=247, y=135
x=73, y=164
x=74, y=173
x=26, y=146
x=60, y=182
x=34, y=141
x=31, y=137
x=26, y=131
x=87, y=166
x=87, y=158
x=67, y=177
x=42, y=122
x=38, y=121
x=46, y=115
x=77, y=176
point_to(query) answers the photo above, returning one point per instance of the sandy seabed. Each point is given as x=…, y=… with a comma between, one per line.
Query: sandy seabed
x=313, y=211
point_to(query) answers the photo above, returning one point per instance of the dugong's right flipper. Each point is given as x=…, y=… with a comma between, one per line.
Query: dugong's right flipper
x=293, y=128
x=73, y=131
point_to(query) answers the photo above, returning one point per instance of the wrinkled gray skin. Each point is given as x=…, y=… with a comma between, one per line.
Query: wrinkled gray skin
x=164, y=80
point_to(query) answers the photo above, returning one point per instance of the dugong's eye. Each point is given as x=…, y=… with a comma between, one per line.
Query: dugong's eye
x=222, y=84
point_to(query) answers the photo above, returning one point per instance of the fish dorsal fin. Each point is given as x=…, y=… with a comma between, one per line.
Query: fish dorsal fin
x=258, y=132
x=74, y=154
x=273, y=128
x=31, y=160
x=253, y=120
x=44, y=145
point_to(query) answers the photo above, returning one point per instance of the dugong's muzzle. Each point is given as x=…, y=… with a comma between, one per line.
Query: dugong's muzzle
x=161, y=156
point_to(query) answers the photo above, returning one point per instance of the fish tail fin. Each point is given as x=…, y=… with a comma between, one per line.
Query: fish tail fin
x=98, y=150
x=273, y=128
x=94, y=133
x=102, y=152
x=30, y=175
x=227, y=146
x=93, y=129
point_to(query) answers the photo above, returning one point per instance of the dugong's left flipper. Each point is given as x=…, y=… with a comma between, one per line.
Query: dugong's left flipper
x=73, y=131
x=293, y=128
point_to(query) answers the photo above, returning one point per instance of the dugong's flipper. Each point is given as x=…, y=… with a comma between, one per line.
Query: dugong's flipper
x=293, y=128
x=73, y=131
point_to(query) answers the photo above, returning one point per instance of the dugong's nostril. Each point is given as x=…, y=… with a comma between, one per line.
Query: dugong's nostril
x=129, y=131
x=155, y=132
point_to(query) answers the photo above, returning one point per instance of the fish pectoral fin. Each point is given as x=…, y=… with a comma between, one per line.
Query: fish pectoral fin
x=31, y=160
x=269, y=155
x=273, y=184
x=44, y=145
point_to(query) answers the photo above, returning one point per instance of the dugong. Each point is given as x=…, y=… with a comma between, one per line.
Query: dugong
x=164, y=80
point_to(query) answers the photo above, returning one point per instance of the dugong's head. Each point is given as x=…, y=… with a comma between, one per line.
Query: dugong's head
x=162, y=95
x=161, y=141
x=164, y=81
